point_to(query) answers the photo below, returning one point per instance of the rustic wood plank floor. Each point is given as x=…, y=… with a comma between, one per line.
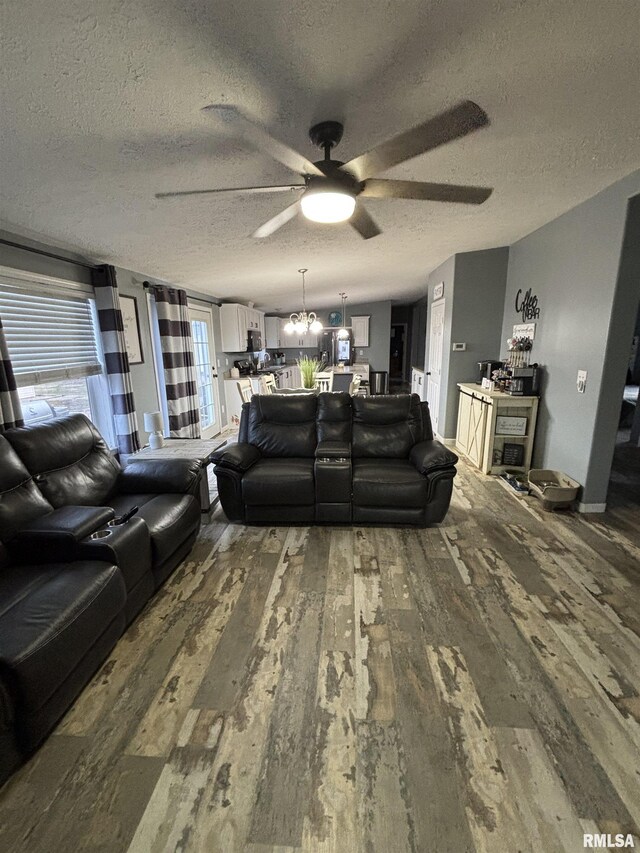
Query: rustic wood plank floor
x=472, y=687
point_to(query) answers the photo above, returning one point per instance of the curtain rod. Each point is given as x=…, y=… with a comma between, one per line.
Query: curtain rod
x=48, y=254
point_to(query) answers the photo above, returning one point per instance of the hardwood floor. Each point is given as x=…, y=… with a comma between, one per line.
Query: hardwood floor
x=472, y=687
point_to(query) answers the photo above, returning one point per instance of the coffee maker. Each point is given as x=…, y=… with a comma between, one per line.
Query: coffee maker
x=524, y=381
x=485, y=369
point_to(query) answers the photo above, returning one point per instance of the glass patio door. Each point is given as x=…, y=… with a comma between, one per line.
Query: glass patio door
x=206, y=375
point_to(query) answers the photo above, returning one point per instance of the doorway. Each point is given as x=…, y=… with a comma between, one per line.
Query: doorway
x=434, y=367
x=397, y=358
x=206, y=376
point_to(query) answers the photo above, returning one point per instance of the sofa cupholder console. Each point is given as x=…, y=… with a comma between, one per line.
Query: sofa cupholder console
x=333, y=481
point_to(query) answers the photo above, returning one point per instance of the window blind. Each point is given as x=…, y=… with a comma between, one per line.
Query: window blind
x=50, y=335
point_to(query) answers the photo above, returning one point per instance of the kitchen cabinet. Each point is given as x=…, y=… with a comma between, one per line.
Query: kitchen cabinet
x=477, y=437
x=360, y=330
x=417, y=382
x=235, y=321
x=296, y=341
x=273, y=332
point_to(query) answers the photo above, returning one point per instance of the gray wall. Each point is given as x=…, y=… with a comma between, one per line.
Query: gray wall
x=572, y=265
x=474, y=288
x=130, y=284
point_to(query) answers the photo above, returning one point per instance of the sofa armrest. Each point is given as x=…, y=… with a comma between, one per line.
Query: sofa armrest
x=56, y=535
x=71, y=523
x=156, y=476
x=236, y=457
x=431, y=456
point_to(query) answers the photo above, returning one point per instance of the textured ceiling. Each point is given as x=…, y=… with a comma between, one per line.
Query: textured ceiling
x=102, y=108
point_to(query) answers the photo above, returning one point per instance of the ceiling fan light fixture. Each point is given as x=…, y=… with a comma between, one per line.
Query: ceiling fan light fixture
x=328, y=205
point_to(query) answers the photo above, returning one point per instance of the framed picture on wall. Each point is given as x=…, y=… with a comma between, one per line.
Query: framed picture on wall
x=129, y=308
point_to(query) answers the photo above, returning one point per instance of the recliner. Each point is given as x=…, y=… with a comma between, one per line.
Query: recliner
x=66, y=597
x=335, y=458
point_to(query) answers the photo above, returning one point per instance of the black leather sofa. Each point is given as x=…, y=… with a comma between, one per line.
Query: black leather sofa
x=67, y=594
x=335, y=458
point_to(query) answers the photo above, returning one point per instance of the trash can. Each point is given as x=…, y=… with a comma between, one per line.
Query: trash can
x=378, y=382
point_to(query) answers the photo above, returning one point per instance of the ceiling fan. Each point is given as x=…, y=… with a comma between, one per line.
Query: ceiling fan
x=332, y=190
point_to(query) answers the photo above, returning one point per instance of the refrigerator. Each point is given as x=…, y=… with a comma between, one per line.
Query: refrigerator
x=335, y=350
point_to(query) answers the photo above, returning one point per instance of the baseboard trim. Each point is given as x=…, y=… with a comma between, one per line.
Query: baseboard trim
x=448, y=442
x=592, y=507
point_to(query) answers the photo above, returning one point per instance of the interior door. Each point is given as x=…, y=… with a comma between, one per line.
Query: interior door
x=206, y=375
x=434, y=367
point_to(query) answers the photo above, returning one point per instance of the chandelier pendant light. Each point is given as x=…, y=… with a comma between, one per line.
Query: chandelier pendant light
x=343, y=333
x=303, y=322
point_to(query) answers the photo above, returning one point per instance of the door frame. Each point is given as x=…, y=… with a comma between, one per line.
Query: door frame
x=205, y=308
x=435, y=417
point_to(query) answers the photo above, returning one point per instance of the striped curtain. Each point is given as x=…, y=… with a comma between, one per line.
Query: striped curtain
x=178, y=361
x=116, y=358
x=10, y=408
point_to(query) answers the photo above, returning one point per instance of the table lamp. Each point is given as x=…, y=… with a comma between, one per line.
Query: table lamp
x=153, y=425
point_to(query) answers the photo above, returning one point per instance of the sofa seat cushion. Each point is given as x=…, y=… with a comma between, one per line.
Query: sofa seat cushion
x=388, y=482
x=171, y=520
x=279, y=482
x=50, y=615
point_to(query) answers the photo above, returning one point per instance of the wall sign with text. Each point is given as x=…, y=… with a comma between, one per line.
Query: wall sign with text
x=527, y=305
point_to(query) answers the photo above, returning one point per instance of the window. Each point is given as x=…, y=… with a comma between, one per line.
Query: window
x=56, y=353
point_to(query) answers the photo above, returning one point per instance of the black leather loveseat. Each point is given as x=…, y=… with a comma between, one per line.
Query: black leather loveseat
x=66, y=595
x=335, y=458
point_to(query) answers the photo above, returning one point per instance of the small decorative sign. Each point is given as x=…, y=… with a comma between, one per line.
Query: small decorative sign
x=524, y=330
x=527, y=305
x=438, y=290
x=513, y=454
x=509, y=425
x=488, y=384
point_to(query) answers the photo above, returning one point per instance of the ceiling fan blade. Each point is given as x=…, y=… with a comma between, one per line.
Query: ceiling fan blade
x=379, y=188
x=453, y=124
x=262, y=140
x=363, y=223
x=248, y=190
x=276, y=222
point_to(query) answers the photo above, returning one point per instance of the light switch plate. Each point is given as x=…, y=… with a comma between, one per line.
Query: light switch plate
x=581, y=382
x=459, y=347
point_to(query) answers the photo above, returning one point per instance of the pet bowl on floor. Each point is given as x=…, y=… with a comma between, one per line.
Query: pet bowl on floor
x=555, y=489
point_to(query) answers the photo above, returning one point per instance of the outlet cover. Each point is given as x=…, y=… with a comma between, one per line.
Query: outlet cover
x=460, y=347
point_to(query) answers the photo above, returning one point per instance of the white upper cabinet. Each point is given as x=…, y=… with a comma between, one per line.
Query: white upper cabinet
x=235, y=321
x=273, y=330
x=360, y=329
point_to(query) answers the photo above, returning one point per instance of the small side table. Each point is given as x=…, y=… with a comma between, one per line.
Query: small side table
x=188, y=448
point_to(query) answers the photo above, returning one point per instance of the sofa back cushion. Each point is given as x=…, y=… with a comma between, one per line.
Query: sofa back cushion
x=283, y=424
x=68, y=459
x=334, y=416
x=386, y=425
x=20, y=499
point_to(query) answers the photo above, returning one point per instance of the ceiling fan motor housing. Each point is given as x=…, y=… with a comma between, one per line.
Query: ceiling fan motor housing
x=326, y=134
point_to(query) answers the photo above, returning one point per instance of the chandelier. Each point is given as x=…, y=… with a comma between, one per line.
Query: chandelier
x=343, y=333
x=301, y=323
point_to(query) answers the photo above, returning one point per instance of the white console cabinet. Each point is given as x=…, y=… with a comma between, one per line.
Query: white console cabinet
x=477, y=435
